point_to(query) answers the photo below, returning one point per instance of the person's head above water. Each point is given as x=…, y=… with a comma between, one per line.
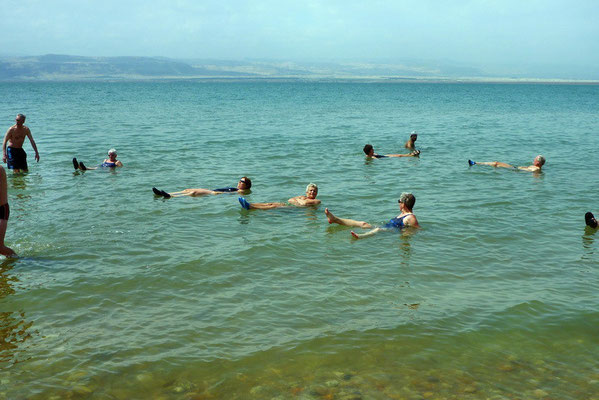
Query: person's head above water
x=539, y=161
x=20, y=119
x=408, y=200
x=413, y=136
x=112, y=154
x=244, y=183
x=311, y=191
x=368, y=150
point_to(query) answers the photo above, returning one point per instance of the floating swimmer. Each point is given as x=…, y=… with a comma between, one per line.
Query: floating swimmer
x=536, y=166
x=110, y=162
x=406, y=219
x=300, y=201
x=243, y=187
x=369, y=151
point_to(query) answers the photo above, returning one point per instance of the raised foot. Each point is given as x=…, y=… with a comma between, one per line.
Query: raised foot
x=330, y=216
x=75, y=163
x=471, y=163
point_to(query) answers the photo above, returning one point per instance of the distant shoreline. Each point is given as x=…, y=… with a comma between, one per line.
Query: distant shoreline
x=365, y=80
x=67, y=68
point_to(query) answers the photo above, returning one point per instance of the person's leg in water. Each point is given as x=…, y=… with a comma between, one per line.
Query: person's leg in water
x=186, y=192
x=345, y=221
x=4, y=250
x=367, y=234
x=84, y=168
x=260, y=206
x=495, y=164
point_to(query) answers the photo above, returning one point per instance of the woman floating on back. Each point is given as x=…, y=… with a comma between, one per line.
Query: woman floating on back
x=404, y=220
x=110, y=162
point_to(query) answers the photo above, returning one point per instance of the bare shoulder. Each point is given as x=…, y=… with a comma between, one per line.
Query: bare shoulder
x=411, y=220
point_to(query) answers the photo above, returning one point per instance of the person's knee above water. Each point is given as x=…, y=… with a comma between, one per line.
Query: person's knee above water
x=406, y=219
x=536, y=166
x=12, y=147
x=369, y=151
x=300, y=201
x=110, y=162
x=243, y=187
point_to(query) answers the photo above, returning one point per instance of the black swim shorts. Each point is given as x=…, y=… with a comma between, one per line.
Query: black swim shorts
x=16, y=158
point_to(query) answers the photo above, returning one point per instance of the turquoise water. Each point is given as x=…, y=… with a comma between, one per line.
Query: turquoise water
x=119, y=294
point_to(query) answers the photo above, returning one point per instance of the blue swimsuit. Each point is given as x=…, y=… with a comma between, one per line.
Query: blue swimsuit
x=396, y=223
x=108, y=164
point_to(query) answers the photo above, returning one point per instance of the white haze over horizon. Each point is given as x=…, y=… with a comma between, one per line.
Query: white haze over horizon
x=488, y=34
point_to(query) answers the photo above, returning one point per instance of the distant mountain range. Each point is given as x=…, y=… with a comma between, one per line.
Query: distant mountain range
x=70, y=68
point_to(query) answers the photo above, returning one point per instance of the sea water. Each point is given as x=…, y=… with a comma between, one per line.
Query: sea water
x=119, y=294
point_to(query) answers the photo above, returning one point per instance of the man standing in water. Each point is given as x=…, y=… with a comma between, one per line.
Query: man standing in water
x=14, y=155
x=4, y=214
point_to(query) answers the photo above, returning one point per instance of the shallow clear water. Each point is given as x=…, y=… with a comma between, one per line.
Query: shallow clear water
x=119, y=294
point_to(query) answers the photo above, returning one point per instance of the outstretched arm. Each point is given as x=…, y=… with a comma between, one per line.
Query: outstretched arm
x=412, y=154
x=37, y=155
x=6, y=139
x=365, y=235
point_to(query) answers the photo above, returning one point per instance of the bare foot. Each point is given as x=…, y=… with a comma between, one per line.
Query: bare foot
x=8, y=252
x=355, y=235
x=416, y=153
x=330, y=216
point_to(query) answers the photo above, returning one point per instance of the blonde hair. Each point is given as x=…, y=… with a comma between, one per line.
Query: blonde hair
x=541, y=159
x=311, y=185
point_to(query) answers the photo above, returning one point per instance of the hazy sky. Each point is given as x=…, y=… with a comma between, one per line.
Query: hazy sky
x=484, y=32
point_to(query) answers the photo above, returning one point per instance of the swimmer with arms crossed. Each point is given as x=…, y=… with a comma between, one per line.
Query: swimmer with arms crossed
x=243, y=187
x=300, y=201
x=406, y=219
x=369, y=151
x=536, y=166
x=110, y=162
